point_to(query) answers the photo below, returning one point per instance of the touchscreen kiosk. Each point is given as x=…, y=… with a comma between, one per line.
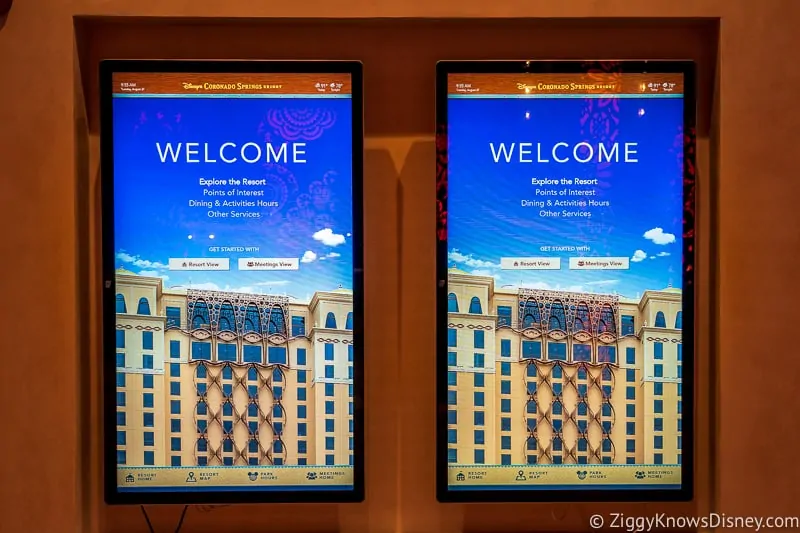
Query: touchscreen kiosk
x=232, y=289
x=565, y=280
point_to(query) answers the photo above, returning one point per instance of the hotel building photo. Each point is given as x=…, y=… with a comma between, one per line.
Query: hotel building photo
x=547, y=377
x=218, y=378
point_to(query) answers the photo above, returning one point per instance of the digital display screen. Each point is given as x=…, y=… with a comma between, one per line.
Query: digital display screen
x=234, y=253
x=565, y=309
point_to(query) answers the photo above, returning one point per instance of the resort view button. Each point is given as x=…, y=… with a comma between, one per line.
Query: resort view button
x=530, y=263
x=599, y=263
x=269, y=263
x=199, y=263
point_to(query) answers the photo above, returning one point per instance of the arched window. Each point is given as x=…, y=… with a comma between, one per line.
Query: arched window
x=558, y=318
x=607, y=321
x=679, y=320
x=144, y=307
x=121, y=308
x=452, y=303
x=348, y=324
x=530, y=315
x=330, y=321
x=475, y=306
x=227, y=318
x=583, y=319
x=252, y=320
x=200, y=318
x=661, y=322
x=277, y=324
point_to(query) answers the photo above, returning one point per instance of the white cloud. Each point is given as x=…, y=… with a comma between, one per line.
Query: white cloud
x=153, y=274
x=328, y=237
x=467, y=260
x=331, y=255
x=658, y=236
x=488, y=273
x=544, y=286
x=308, y=257
x=662, y=254
x=205, y=286
x=137, y=261
x=227, y=288
x=638, y=255
x=652, y=257
x=591, y=287
x=603, y=283
x=277, y=283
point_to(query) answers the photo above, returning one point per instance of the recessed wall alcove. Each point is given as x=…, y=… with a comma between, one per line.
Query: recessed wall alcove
x=399, y=57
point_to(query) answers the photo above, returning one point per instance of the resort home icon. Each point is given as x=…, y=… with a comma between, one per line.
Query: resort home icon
x=460, y=476
x=129, y=478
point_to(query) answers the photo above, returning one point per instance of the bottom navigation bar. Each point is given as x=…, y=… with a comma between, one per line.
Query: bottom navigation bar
x=217, y=477
x=542, y=476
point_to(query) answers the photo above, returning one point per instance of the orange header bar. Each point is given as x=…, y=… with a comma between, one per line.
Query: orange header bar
x=601, y=83
x=183, y=84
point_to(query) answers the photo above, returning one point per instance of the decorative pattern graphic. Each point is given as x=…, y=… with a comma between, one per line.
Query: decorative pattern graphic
x=549, y=413
x=312, y=210
x=599, y=123
x=220, y=312
x=281, y=186
x=139, y=328
x=300, y=124
x=167, y=122
x=222, y=389
x=577, y=318
x=470, y=326
x=441, y=182
x=569, y=313
x=689, y=177
x=663, y=339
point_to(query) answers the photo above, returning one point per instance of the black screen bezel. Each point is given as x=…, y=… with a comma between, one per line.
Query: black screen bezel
x=108, y=288
x=686, y=490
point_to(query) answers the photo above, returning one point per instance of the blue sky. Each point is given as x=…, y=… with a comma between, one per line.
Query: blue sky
x=154, y=221
x=644, y=222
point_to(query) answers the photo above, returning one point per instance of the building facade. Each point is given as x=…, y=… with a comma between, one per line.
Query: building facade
x=216, y=378
x=546, y=377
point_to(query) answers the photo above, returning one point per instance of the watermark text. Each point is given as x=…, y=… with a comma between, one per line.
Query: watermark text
x=639, y=524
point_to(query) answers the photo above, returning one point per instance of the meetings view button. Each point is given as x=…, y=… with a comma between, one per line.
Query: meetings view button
x=269, y=263
x=599, y=263
x=530, y=263
x=199, y=263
